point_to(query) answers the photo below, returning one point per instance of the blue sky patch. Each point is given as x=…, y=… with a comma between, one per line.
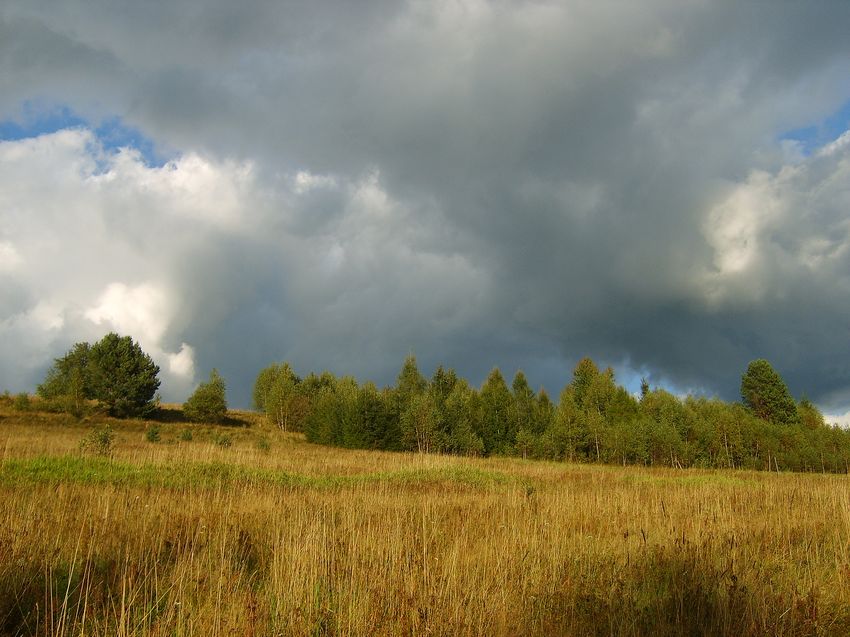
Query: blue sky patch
x=817, y=135
x=113, y=133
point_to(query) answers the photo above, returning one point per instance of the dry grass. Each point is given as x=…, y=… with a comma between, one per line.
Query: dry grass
x=189, y=538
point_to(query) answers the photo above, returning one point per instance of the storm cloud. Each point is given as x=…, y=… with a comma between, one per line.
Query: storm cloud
x=662, y=186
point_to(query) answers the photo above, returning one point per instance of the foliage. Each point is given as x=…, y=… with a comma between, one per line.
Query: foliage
x=495, y=426
x=122, y=376
x=114, y=371
x=410, y=384
x=153, y=433
x=22, y=402
x=99, y=441
x=208, y=403
x=284, y=398
x=67, y=385
x=809, y=415
x=594, y=420
x=765, y=394
x=420, y=425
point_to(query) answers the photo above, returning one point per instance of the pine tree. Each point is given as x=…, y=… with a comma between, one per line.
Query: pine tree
x=122, y=376
x=766, y=395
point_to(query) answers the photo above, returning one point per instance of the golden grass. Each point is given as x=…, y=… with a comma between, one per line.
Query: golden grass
x=189, y=538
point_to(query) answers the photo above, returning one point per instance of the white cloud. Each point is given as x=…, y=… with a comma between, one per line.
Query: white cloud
x=135, y=249
x=735, y=227
x=182, y=363
x=47, y=316
x=142, y=310
x=305, y=181
x=9, y=257
x=837, y=146
x=842, y=420
x=145, y=311
x=91, y=245
x=774, y=229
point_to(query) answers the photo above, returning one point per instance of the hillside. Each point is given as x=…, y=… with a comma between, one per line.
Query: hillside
x=273, y=535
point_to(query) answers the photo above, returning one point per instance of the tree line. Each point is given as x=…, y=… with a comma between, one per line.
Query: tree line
x=594, y=419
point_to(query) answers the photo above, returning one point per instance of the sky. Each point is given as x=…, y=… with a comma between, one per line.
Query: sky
x=663, y=186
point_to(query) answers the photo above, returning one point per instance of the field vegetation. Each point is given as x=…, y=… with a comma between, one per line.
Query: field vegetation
x=246, y=529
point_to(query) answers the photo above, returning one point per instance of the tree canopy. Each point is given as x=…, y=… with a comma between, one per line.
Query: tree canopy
x=594, y=420
x=114, y=372
x=766, y=395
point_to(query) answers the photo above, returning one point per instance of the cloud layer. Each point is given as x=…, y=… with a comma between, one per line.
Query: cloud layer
x=482, y=183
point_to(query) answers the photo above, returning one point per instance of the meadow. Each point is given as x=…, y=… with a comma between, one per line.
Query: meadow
x=245, y=530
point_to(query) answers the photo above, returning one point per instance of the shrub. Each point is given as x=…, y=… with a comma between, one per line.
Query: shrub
x=99, y=442
x=22, y=402
x=153, y=433
x=208, y=403
x=186, y=435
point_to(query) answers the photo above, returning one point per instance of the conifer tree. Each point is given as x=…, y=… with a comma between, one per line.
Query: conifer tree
x=114, y=371
x=766, y=395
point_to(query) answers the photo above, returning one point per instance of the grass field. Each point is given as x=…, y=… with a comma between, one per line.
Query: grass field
x=274, y=536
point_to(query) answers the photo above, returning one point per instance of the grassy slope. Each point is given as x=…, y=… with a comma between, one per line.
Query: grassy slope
x=189, y=538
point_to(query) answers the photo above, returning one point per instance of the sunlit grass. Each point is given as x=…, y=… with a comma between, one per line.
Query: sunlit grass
x=191, y=538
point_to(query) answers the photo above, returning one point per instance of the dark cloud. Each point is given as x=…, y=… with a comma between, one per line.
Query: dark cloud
x=511, y=183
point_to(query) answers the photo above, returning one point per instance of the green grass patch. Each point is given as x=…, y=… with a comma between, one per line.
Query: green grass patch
x=693, y=480
x=102, y=471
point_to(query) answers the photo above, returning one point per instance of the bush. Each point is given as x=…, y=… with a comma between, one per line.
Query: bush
x=153, y=433
x=22, y=402
x=186, y=435
x=208, y=403
x=99, y=442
